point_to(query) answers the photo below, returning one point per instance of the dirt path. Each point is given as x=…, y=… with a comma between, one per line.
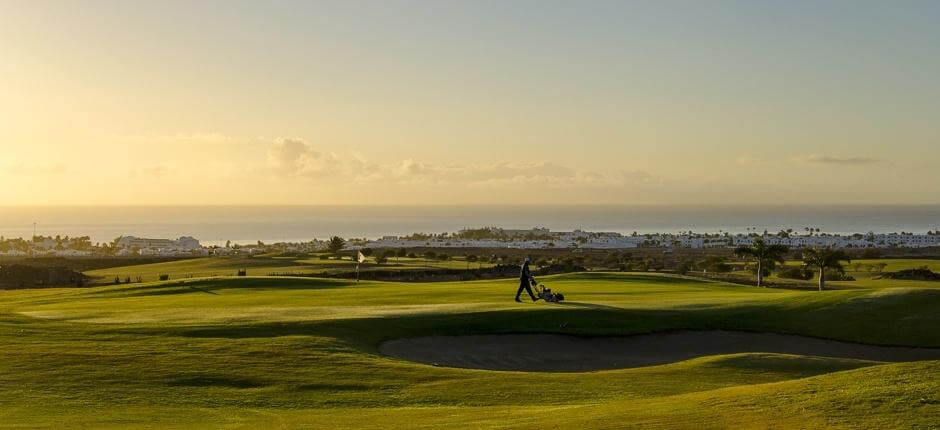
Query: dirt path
x=559, y=353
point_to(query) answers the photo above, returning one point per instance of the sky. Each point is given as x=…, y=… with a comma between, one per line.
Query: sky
x=469, y=102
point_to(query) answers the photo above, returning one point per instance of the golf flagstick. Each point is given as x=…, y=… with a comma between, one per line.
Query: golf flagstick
x=359, y=260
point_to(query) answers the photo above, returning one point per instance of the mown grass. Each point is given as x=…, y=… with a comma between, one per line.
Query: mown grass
x=263, y=265
x=301, y=352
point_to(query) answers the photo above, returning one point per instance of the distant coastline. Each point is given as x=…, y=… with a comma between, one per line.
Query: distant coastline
x=214, y=225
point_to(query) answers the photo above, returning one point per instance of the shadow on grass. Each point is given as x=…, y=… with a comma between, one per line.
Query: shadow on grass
x=216, y=284
x=214, y=381
x=652, y=278
x=203, y=290
x=898, y=320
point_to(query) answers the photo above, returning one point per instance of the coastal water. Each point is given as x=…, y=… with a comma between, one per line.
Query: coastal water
x=247, y=224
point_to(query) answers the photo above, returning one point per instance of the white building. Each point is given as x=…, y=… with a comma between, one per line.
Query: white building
x=144, y=246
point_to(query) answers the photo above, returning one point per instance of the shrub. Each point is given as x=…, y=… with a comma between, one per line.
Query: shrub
x=412, y=255
x=795, y=272
x=117, y=280
x=381, y=259
x=835, y=275
x=324, y=257
x=683, y=267
x=715, y=265
x=242, y=272
x=164, y=277
x=922, y=273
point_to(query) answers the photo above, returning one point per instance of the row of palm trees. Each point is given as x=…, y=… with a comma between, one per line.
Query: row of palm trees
x=767, y=256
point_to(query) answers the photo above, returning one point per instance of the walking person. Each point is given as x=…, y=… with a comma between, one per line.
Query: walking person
x=524, y=279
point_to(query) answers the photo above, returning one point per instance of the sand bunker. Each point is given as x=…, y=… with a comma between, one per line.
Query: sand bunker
x=559, y=353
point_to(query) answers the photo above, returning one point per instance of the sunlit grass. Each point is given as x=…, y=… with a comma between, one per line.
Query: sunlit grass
x=301, y=352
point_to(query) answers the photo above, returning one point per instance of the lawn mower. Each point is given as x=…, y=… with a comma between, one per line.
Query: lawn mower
x=545, y=293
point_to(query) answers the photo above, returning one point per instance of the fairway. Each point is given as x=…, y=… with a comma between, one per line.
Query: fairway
x=266, y=265
x=281, y=352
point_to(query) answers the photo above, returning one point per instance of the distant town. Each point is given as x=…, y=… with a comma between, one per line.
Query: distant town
x=488, y=237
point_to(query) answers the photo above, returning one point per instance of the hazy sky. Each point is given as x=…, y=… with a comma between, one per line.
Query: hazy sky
x=404, y=102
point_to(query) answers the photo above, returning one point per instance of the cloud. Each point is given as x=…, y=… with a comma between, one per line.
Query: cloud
x=410, y=167
x=295, y=157
x=837, y=160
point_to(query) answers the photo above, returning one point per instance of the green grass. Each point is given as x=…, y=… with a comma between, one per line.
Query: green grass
x=262, y=265
x=301, y=352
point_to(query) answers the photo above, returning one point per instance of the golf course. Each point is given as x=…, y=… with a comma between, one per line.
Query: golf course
x=625, y=349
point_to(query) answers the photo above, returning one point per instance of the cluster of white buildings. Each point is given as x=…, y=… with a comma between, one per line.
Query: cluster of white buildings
x=133, y=246
x=607, y=240
x=538, y=238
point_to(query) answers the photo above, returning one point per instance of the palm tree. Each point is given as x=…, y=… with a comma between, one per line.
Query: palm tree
x=763, y=254
x=825, y=258
x=336, y=244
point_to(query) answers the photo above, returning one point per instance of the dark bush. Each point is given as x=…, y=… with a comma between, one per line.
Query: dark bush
x=684, y=267
x=835, y=275
x=164, y=277
x=715, y=265
x=242, y=272
x=795, y=272
x=917, y=274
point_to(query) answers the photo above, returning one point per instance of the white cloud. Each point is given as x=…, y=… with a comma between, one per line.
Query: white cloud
x=295, y=157
x=837, y=160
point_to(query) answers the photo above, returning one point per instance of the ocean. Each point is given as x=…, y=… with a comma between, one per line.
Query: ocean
x=248, y=224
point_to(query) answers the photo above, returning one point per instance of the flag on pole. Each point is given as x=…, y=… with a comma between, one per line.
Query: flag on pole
x=359, y=260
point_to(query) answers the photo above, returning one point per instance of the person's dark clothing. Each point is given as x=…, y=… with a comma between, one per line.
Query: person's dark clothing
x=524, y=277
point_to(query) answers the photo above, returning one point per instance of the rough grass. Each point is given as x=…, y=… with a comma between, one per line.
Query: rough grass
x=287, y=352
